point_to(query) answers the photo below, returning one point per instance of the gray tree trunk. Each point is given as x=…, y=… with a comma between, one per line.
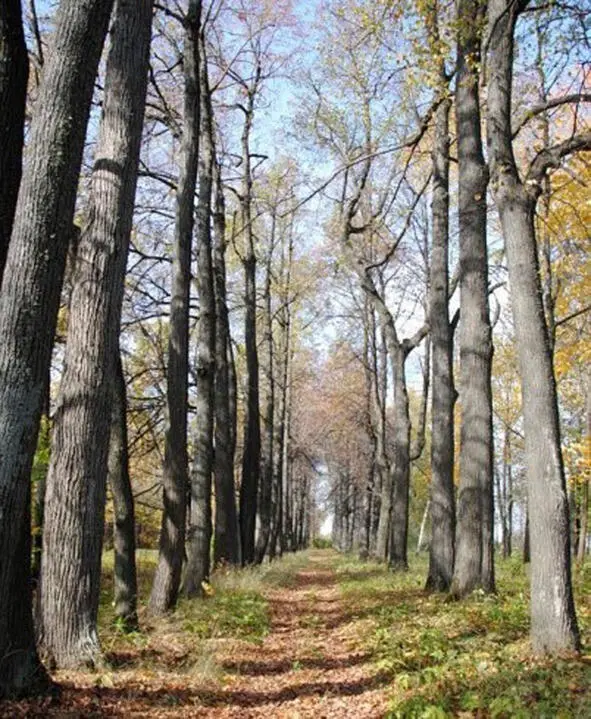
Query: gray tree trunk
x=442, y=493
x=14, y=72
x=28, y=309
x=474, y=567
x=277, y=542
x=268, y=447
x=398, y=481
x=397, y=553
x=76, y=482
x=554, y=626
x=226, y=541
x=175, y=468
x=125, y=571
x=200, y=524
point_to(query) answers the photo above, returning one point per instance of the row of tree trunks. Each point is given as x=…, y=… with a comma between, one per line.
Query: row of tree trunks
x=175, y=472
x=72, y=542
x=29, y=304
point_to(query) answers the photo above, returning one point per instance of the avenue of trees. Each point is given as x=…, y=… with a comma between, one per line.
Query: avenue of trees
x=222, y=325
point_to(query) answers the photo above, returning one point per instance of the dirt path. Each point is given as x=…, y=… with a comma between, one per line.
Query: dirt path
x=307, y=666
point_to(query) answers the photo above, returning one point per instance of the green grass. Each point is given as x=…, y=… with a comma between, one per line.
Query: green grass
x=469, y=658
x=233, y=609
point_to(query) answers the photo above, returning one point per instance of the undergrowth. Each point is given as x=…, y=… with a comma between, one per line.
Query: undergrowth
x=232, y=609
x=469, y=658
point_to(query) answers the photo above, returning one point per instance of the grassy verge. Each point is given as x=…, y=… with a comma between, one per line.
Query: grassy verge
x=466, y=659
x=185, y=641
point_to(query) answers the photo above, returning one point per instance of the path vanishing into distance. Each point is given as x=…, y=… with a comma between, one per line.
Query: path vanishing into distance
x=308, y=665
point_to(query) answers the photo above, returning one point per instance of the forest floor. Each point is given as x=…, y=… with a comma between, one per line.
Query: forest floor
x=319, y=634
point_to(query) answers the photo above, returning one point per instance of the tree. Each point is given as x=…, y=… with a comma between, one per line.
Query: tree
x=14, y=72
x=200, y=526
x=226, y=540
x=175, y=477
x=251, y=454
x=554, y=626
x=474, y=564
x=125, y=573
x=70, y=569
x=29, y=305
x=442, y=496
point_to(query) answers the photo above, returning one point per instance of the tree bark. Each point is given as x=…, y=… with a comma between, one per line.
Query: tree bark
x=175, y=469
x=226, y=540
x=251, y=456
x=14, y=72
x=442, y=494
x=125, y=572
x=554, y=626
x=474, y=567
x=72, y=541
x=397, y=555
x=28, y=310
x=200, y=525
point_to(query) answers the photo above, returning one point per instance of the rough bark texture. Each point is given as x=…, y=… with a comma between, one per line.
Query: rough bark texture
x=474, y=539
x=553, y=621
x=28, y=308
x=175, y=471
x=76, y=482
x=251, y=455
x=125, y=573
x=200, y=527
x=14, y=72
x=226, y=547
x=442, y=496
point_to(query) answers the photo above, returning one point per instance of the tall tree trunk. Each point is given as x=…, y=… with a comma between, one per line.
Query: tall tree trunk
x=175, y=472
x=474, y=567
x=72, y=540
x=200, y=525
x=266, y=483
x=125, y=572
x=442, y=496
x=554, y=626
x=28, y=310
x=226, y=541
x=14, y=72
x=399, y=478
x=251, y=456
x=397, y=555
